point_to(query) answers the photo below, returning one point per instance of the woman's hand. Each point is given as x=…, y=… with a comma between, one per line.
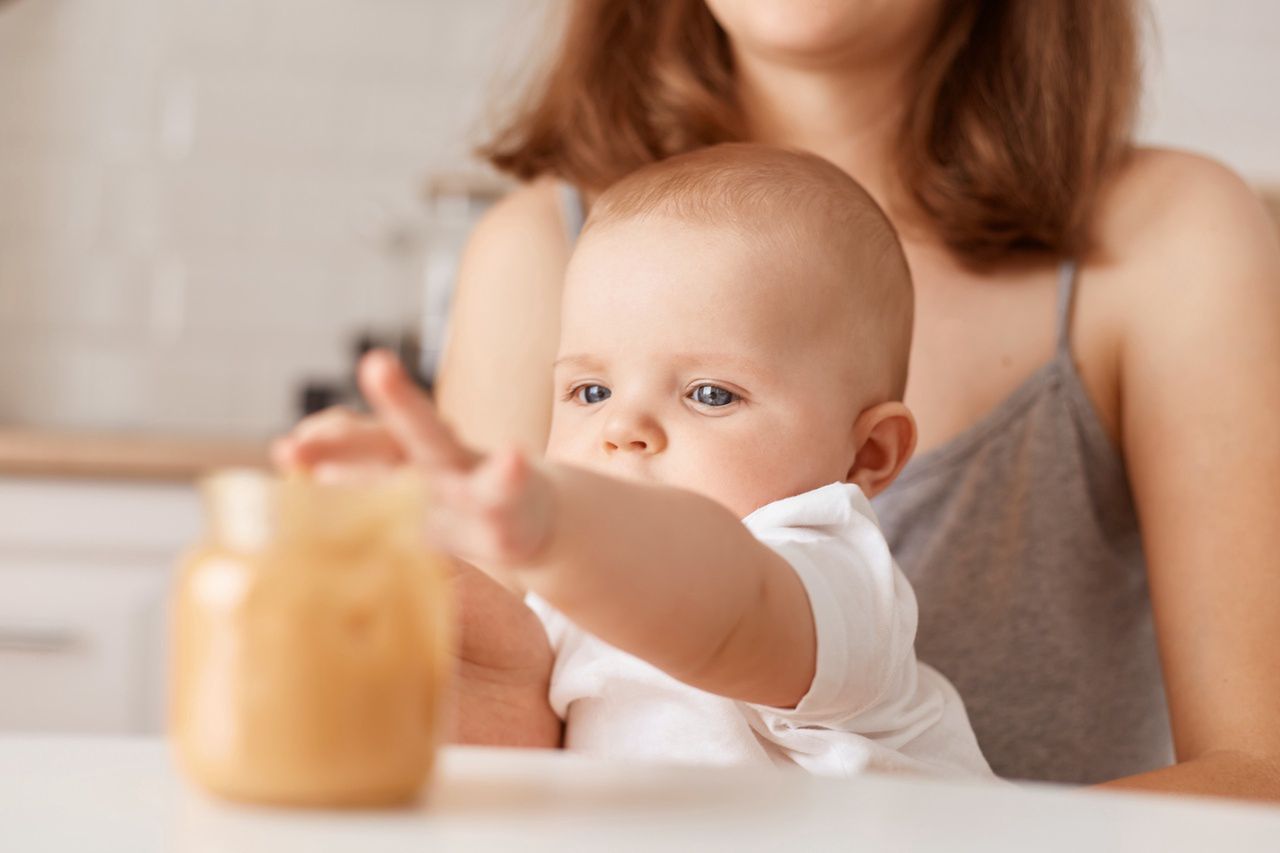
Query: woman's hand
x=503, y=670
x=337, y=444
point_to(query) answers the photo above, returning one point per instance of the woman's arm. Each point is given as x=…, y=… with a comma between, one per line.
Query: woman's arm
x=494, y=384
x=1200, y=427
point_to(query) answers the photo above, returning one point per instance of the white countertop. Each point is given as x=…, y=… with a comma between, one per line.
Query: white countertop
x=108, y=794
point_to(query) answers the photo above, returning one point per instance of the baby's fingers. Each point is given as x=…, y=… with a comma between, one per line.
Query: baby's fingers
x=409, y=415
x=499, y=514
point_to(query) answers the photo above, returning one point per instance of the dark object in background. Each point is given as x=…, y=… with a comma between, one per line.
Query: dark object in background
x=319, y=394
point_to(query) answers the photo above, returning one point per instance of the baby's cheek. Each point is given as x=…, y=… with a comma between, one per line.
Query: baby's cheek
x=567, y=456
x=564, y=443
x=555, y=452
x=747, y=481
x=782, y=469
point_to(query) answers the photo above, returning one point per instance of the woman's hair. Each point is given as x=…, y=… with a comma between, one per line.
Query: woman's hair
x=1020, y=110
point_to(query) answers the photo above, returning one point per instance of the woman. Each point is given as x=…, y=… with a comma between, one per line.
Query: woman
x=1097, y=342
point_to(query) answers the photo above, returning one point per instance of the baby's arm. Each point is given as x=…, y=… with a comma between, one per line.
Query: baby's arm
x=677, y=580
x=667, y=575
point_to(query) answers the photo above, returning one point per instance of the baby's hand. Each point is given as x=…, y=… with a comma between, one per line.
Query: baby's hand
x=490, y=510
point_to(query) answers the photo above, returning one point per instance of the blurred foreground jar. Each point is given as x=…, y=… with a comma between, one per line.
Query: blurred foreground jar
x=310, y=644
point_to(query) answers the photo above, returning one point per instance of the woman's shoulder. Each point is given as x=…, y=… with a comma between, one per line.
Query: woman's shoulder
x=519, y=249
x=532, y=212
x=1183, y=248
x=1179, y=237
x=1186, y=265
x=1165, y=207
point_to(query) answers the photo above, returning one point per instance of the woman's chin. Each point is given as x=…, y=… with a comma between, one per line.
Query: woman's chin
x=817, y=33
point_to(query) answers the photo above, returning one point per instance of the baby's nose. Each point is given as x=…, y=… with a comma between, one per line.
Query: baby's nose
x=634, y=433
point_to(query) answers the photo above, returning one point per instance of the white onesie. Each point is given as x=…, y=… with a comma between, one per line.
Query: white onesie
x=871, y=705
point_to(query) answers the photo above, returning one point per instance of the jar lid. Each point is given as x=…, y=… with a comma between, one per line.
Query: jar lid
x=250, y=509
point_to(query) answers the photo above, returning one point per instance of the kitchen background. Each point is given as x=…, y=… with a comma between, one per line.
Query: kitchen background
x=206, y=204
x=202, y=202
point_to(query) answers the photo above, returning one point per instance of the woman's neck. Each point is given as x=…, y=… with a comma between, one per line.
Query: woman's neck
x=850, y=116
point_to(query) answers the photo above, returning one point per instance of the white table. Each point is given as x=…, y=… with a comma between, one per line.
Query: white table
x=100, y=794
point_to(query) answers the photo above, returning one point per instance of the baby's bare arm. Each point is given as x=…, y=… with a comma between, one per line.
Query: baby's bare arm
x=675, y=579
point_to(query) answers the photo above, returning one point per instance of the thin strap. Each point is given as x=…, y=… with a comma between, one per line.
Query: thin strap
x=573, y=210
x=1066, y=298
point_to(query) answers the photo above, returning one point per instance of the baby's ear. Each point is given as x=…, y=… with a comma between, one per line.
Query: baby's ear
x=884, y=437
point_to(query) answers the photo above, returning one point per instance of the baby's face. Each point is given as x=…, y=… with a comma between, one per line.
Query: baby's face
x=691, y=358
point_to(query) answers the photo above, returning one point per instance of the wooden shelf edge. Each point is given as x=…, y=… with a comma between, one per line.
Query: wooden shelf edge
x=28, y=452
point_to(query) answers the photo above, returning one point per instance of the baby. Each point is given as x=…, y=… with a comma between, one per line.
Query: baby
x=698, y=542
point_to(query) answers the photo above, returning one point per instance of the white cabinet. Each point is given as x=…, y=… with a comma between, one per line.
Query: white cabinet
x=78, y=646
x=85, y=573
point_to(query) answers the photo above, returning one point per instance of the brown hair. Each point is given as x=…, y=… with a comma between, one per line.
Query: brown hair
x=1020, y=111
x=797, y=205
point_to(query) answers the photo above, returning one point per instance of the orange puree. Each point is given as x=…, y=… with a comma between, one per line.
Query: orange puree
x=310, y=644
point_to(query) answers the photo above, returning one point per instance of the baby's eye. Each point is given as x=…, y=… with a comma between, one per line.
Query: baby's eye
x=591, y=394
x=712, y=395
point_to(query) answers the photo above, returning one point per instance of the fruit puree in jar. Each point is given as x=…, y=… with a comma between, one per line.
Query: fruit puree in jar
x=309, y=643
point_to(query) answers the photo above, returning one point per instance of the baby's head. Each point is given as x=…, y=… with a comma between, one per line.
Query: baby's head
x=736, y=322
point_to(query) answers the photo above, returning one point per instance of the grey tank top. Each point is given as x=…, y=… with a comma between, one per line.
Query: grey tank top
x=1021, y=540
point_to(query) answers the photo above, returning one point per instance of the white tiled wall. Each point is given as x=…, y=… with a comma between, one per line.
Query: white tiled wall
x=196, y=195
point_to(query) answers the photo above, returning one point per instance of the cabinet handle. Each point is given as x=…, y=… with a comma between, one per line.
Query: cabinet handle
x=39, y=641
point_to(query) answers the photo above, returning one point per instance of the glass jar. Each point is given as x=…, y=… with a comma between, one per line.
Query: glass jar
x=310, y=644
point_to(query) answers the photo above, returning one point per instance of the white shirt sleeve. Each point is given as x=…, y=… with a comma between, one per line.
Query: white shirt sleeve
x=864, y=610
x=870, y=705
